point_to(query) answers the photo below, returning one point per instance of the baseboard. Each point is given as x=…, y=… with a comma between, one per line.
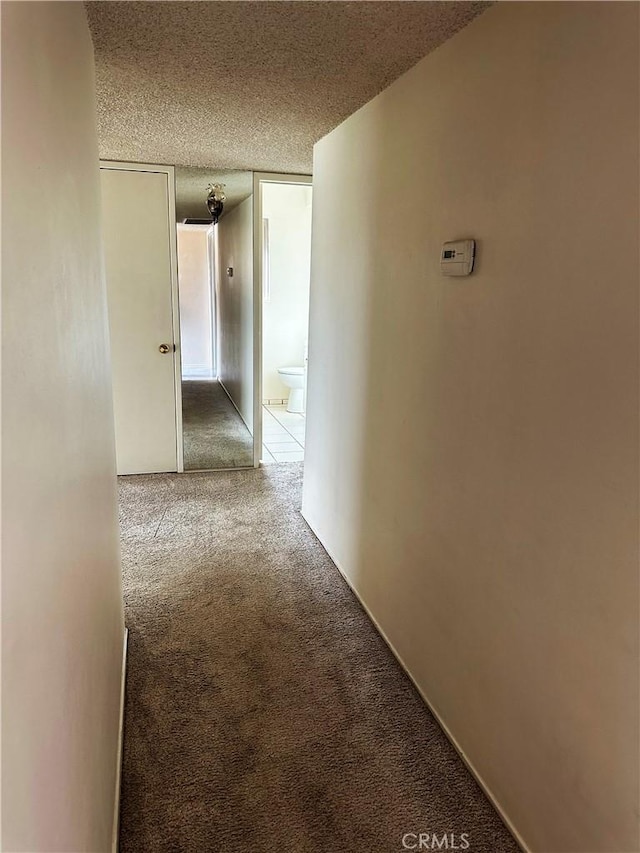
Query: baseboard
x=116, y=802
x=449, y=734
x=233, y=403
x=203, y=372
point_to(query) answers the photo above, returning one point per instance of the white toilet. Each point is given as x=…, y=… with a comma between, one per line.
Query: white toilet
x=293, y=378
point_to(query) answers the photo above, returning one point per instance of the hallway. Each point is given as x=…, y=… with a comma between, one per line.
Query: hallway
x=214, y=434
x=263, y=711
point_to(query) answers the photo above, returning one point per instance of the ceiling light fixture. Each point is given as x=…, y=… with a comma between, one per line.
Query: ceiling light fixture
x=215, y=201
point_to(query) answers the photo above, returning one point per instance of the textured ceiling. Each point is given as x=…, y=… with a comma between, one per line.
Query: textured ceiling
x=250, y=85
x=191, y=190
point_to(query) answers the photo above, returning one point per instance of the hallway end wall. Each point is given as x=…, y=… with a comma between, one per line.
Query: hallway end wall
x=195, y=297
x=471, y=458
x=62, y=618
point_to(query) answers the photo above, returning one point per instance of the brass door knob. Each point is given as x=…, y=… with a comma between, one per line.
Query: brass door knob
x=164, y=348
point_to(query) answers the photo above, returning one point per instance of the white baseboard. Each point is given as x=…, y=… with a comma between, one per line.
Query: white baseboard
x=449, y=734
x=233, y=403
x=116, y=802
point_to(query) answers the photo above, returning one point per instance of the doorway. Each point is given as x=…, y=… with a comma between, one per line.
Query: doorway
x=283, y=249
x=209, y=348
x=214, y=432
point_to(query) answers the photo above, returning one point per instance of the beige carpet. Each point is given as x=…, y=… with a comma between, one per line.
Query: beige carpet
x=264, y=714
x=213, y=433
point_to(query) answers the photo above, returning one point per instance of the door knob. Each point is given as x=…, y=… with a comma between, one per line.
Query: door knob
x=164, y=348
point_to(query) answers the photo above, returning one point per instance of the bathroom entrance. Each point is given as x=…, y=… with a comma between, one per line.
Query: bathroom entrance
x=284, y=233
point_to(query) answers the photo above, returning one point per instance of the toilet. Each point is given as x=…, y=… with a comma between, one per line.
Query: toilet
x=293, y=378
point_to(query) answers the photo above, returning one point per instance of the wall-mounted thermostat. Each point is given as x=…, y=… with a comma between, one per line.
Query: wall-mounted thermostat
x=457, y=257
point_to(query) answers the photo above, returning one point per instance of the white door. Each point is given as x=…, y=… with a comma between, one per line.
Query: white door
x=136, y=221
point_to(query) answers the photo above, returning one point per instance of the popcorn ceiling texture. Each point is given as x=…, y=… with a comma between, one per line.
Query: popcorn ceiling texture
x=250, y=85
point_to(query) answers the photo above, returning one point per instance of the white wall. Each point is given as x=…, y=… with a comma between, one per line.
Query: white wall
x=194, y=290
x=471, y=456
x=285, y=316
x=61, y=597
x=235, y=307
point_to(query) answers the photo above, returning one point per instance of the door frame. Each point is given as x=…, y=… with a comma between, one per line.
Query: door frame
x=260, y=178
x=169, y=171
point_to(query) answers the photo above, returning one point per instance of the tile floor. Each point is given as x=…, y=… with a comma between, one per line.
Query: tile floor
x=282, y=435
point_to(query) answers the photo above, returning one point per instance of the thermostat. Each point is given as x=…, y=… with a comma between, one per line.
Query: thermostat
x=457, y=257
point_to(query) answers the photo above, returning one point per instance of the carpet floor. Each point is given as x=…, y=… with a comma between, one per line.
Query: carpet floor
x=213, y=433
x=263, y=711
